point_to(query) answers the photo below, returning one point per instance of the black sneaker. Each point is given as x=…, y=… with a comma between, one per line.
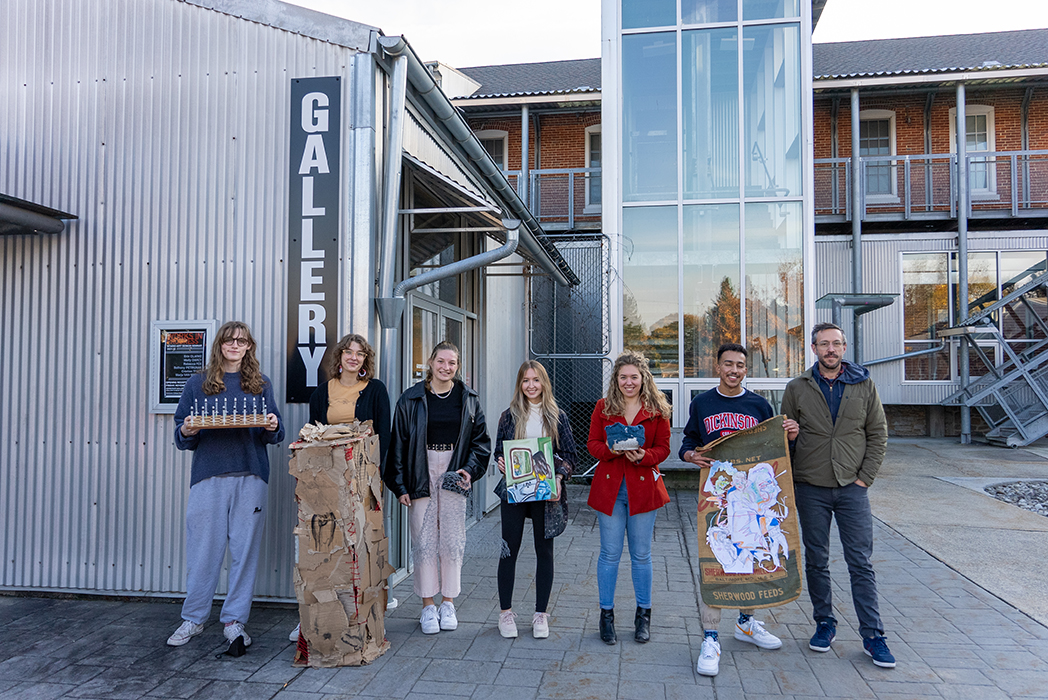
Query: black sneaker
x=825, y=633
x=877, y=649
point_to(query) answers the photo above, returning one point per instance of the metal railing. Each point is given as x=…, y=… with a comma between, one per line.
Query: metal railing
x=562, y=199
x=1001, y=184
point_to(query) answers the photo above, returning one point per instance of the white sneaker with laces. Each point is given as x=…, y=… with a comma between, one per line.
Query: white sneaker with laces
x=754, y=633
x=184, y=632
x=540, y=625
x=508, y=624
x=430, y=623
x=294, y=633
x=448, y=619
x=234, y=630
x=709, y=657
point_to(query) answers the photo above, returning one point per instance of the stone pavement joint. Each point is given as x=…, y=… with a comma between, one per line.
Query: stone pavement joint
x=952, y=637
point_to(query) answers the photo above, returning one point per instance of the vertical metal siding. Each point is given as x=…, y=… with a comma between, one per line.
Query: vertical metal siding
x=164, y=127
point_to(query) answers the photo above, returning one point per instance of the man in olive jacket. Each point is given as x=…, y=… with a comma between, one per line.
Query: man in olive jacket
x=840, y=447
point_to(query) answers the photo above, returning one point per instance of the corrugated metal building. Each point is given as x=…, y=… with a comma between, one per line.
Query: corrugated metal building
x=164, y=126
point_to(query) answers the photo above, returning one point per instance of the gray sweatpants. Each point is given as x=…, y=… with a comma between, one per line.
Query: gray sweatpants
x=223, y=510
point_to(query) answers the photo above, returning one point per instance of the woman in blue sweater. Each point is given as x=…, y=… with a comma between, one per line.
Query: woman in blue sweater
x=228, y=482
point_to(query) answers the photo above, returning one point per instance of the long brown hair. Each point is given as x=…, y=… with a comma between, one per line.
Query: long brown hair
x=333, y=366
x=251, y=381
x=651, y=397
x=520, y=407
x=442, y=345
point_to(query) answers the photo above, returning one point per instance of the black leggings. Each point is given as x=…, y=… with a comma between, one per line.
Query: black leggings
x=513, y=515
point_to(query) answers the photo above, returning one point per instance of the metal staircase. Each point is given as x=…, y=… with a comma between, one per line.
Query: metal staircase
x=1012, y=397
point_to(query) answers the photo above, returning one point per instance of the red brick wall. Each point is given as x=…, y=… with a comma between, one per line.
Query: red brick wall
x=563, y=138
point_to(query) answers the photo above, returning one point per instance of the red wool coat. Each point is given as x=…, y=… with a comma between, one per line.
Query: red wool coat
x=645, y=489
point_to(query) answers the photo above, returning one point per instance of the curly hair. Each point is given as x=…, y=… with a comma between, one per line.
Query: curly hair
x=333, y=365
x=251, y=380
x=520, y=407
x=651, y=397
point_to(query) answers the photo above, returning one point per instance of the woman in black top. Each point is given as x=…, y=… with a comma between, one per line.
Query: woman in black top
x=439, y=446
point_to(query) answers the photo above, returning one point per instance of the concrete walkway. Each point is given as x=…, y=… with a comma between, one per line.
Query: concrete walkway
x=958, y=574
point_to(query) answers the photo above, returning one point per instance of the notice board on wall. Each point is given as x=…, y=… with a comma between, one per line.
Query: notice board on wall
x=177, y=351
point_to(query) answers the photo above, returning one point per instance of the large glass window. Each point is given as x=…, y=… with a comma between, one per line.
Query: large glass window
x=650, y=286
x=774, y=289
x=710, y=92
x=708, y=11
x=649, y=117
x=712, y=301
x=770, y=9
x=648, y=13
x=771, y=97
x=925, y=299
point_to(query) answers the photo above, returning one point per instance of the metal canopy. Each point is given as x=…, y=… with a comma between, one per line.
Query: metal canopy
x=861, y=303
x=18, y=216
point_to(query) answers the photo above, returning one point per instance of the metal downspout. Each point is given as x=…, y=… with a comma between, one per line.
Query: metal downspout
x=962, y=251
x=857, y=212
x=525, y=157
x=389, y=369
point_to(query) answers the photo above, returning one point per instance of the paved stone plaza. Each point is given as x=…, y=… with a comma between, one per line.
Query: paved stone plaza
x=952, y=638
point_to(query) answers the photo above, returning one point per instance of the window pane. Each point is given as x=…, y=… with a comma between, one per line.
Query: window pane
x=712, y=306
x=593, y=180
x=925, y=368
x=703, y=11
x=711, y=113
x=924, y=296
x=772, y=110
x=982, y=283
x=648, y=13
x=774, y=289
x=649, y=281
x=496, y=149
x=1020, y=320
x=649, y=117
x=770, y=9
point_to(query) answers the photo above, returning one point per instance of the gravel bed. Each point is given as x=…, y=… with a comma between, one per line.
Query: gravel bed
x=1031, y=495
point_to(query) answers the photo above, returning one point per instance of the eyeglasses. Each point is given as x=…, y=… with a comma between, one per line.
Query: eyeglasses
x=239, y=342
x=826, y=344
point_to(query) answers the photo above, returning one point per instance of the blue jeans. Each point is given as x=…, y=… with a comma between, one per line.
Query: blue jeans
x=638, y=529
x=850, y=505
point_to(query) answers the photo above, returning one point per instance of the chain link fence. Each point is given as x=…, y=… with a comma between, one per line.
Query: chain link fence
x=571, y=333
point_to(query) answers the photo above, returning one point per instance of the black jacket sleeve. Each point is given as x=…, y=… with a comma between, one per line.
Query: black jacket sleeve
x=504, y=432
x=397, y=457
x=565, y=455
x=318, y=404
x=479, y=446
x=380, y=415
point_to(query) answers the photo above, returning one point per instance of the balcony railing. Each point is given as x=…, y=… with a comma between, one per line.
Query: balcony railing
x=562, y=199
x=1000, y=184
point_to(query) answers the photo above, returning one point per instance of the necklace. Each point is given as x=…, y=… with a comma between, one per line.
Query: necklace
x=446, y=394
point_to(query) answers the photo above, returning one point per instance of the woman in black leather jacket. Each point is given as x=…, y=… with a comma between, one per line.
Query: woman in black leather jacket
x=439, y=446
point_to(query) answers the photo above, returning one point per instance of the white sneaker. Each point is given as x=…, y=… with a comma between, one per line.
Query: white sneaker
x=508, y=624
x=448, y=619
x=430, y=623
x=709, y=657
x=295, y=632
x=754, y=633
x=540, y=626
x=184, y=632
x=234, y=630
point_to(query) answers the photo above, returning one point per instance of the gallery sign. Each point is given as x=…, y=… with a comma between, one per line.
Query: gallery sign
x=313, y=218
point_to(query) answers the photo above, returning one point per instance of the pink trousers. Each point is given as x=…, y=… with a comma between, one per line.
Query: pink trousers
x=438, y=534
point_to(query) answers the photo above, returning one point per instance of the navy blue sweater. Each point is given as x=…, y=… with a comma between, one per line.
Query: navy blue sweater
x=713, y=415
x=225, y=450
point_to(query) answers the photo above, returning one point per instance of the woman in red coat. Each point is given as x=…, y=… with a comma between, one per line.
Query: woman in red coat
x=627, y=488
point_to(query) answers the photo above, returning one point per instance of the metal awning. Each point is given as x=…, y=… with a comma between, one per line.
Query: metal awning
x=19, y=217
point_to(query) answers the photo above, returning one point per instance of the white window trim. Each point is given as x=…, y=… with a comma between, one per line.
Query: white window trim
x=590, y=130
x=991, y=142
x=492, y=135
x=879, y=115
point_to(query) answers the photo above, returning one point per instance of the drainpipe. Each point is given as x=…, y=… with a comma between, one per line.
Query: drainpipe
x=391, y=308
x=389, y=371
x=525, y=183
x=857, y=212
x=962, y=250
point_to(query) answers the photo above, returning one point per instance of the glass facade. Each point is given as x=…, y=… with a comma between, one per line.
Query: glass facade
x=712, y=178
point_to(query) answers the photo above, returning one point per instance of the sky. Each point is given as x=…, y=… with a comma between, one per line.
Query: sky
x=464, y=33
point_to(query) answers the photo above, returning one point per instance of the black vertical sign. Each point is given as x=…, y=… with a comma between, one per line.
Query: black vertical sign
x=313, y=214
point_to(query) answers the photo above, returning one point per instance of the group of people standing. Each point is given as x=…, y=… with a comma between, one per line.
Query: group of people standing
x=435, y=446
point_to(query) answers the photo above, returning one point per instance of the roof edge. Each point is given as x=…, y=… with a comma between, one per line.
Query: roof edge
x=295, y=19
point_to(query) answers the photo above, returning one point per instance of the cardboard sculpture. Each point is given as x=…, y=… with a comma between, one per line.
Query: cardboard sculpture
x=343, y=553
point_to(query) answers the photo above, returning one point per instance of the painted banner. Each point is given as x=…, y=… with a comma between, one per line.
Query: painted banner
x=313, y=217
x=749, y=537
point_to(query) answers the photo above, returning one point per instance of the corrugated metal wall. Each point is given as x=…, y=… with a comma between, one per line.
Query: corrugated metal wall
x=164, y=127
x=882, y=274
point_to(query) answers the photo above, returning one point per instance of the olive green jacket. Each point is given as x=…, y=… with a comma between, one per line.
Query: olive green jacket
x=836, y=454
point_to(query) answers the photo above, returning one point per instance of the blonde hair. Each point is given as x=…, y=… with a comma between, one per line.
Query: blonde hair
x=520, y=406
x=442, y=345
x=251, y=381
x=651, y=397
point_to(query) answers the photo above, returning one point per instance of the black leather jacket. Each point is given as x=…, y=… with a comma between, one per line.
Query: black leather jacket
x=406, y=470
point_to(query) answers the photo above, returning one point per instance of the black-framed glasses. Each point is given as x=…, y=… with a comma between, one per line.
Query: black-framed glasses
x=239, y=342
